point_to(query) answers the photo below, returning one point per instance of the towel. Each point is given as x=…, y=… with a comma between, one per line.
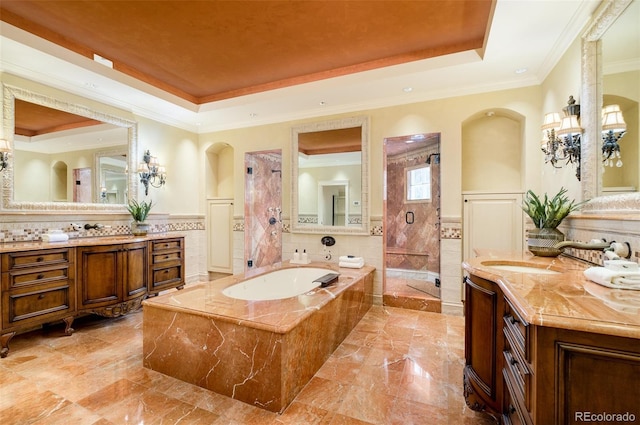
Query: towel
x=619, y=279
x=350, y=259
x=55, y=237
x=352, y=265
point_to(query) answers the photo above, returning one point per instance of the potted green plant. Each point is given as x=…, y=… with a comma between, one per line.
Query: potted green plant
x=547, y=214
x=139, y=211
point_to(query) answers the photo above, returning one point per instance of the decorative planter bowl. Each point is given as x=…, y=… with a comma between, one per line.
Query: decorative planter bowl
x=139, y=229
x=541, y=242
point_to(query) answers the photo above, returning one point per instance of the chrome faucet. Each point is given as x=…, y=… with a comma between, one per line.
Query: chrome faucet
x=96, y=226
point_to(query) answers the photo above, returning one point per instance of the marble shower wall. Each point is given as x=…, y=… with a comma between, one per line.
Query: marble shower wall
x=263, y=204
x=405, y=241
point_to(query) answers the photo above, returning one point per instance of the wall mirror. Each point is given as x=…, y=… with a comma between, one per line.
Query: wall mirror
x=79, y=166
x=330, y=181
x=605, y=73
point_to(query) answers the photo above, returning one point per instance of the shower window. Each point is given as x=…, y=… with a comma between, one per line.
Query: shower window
x=418, y=183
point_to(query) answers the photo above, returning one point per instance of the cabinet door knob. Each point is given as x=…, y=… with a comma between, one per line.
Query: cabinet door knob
x=40, y=276
x=39, y=259
x=513, y=361
x=512, y=409
x=41, y=296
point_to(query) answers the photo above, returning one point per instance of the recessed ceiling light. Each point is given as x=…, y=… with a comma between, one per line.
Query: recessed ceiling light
x=521, y=70
x=407, y=89
x=323, y=103
x=91, y=85
x=253, y=115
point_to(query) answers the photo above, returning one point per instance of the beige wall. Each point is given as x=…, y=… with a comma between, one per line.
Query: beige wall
x=562, y=82
x=443, y=116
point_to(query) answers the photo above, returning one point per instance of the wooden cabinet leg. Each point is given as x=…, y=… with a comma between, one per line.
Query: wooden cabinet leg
x=68, y=330
x=4, y=343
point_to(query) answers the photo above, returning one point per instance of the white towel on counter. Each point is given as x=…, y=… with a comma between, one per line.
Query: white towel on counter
x=352, y=265
x=55, y=237
x=618, y=279
x=350, y=259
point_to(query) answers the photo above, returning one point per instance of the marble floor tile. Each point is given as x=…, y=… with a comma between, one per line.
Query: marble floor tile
x=397, y=366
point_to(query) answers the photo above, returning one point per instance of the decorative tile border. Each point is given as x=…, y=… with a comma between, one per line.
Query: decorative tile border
x=33, y=231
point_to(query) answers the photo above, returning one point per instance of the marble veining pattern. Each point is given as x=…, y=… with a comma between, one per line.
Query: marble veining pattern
x=566, y=300
x=259, y=352
x=396, y=367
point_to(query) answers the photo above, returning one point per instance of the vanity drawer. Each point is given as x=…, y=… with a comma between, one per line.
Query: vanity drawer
x=166, y=277
x=513, y=412
x=166, y=244
x=165, y=257
x=31, y=277
x=36, y=305
x=519, y=374
x=518, y=329
x=20, y=260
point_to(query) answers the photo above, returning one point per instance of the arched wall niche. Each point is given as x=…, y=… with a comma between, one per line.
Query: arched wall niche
x=59, y=176
x=219, y=170
x=493, y=151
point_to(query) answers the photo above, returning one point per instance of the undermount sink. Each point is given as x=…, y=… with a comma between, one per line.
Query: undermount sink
x=520, y=267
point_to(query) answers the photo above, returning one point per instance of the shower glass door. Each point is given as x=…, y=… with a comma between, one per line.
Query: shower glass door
x=263, y=209
x=412, y=214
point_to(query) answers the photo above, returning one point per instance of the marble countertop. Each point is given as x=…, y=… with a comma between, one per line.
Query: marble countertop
x=566, y=300
x=206, y=299
x=76, y=242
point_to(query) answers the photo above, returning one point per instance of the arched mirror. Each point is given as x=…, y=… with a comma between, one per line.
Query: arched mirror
x=66, y=157
x=330, y=189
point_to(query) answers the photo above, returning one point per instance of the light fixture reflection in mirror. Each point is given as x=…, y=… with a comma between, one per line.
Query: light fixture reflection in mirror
x=330, y=177
x=613, y=128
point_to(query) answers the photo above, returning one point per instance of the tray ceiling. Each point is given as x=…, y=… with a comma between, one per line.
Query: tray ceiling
x=204, y=51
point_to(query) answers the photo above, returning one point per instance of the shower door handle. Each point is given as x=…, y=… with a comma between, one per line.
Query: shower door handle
x=409, y=217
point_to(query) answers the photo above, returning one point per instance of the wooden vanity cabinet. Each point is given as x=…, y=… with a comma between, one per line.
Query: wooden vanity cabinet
x=112, y=279
x=540, y=375
x=40, y=286
x=37, y=287
x=482, y=376
x=166, y=260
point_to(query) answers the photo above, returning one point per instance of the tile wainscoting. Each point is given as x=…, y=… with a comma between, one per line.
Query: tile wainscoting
x=21, y=228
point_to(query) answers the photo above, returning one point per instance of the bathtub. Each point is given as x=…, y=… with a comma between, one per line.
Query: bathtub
x=284, y=283
x=261, y=352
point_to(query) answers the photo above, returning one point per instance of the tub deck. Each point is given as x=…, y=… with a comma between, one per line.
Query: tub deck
x=259, y=352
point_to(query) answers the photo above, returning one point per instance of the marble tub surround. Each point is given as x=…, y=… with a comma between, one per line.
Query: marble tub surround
x=259, y=352
x=564, y=300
